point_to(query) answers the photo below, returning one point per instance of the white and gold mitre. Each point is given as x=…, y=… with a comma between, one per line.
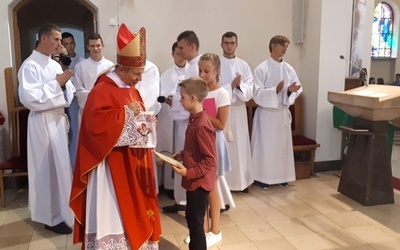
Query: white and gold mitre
x=131, y=51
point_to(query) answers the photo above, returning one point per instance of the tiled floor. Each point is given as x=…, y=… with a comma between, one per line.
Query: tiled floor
x=309, y=214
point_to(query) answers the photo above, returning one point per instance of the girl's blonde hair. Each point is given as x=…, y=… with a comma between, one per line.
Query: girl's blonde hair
x=214, y=59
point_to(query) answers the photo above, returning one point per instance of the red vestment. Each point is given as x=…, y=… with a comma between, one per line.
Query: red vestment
x=131, y=169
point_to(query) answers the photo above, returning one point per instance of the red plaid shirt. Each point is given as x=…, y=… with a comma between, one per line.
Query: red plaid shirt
x=200, y=154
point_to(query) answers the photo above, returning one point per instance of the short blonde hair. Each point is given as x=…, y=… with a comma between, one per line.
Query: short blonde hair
x=278, y=40
x=195, y=86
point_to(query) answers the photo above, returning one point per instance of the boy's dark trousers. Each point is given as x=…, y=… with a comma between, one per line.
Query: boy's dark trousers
x=195, y=210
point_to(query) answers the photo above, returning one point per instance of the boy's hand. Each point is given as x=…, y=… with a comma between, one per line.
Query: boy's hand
x=279, y=87
x=180, y=169
x=294, y=87
x=177, y=156
x=169, y=100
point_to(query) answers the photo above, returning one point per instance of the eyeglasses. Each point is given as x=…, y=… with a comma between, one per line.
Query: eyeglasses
x=229, y=43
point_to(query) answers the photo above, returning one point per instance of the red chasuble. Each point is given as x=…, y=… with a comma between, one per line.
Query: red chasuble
x=132, y=170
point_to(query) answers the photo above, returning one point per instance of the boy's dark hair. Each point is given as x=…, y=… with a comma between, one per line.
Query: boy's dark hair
x=174, y=46
x=229, y=34
x=195, y=86
x=190, y=37
x=278, y=40
x=66, y=35
x=94, y=36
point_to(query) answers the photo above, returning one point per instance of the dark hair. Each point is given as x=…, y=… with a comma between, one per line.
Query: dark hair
x=195, y=86
x=229, y=34
x=47, y=29
x=190, y=37
x=398, y=74
x=278, y=40
x=94, y=36
x=174, y=46
x=380, y=81
x=66, y=35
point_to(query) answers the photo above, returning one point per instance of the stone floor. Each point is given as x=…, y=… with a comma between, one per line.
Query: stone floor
x=309, y=214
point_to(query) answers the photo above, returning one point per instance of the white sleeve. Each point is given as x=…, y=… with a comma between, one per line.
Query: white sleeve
x=37, y=94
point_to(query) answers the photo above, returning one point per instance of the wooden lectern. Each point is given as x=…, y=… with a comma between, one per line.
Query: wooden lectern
x=367, y=173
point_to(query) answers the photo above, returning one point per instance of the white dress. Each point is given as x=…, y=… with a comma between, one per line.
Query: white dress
x=221, y=97
x=271, y=138
x=239, y=148
x=169, y=81
x=49, y=167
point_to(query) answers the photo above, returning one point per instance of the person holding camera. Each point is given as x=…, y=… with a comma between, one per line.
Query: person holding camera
x=62, y=58
x=68, y=41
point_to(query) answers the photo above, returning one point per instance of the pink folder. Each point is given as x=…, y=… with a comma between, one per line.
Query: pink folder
x=210, y=107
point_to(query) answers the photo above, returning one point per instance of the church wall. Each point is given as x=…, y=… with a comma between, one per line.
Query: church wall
x=316, y=60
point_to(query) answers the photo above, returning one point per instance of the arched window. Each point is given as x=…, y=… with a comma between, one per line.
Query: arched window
x=382, y=31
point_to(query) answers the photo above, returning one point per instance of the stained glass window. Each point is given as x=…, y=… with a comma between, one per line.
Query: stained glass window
x=382, y=31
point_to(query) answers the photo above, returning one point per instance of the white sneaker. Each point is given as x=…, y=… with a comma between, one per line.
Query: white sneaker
x=213, y=239
x=187, y=240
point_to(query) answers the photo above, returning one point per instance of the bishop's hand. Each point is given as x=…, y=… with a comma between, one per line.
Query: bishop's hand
x=135, y=107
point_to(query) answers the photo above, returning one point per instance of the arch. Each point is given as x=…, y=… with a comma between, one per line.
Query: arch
x=27, y=16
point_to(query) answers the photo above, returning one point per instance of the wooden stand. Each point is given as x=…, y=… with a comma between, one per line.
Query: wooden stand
x=367, y=173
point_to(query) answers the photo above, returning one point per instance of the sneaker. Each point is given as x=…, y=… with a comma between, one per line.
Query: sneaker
x=187, y=240
x=262, y=186
x=213, y=239
x=174, y=208
x=285, y=184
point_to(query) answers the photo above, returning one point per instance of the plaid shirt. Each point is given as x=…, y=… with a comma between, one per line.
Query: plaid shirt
x=200, y=154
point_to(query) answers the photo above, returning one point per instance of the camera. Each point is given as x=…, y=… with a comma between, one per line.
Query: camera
x=63, y=58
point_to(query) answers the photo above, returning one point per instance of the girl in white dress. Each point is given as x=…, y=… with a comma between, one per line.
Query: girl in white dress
x=209, y=69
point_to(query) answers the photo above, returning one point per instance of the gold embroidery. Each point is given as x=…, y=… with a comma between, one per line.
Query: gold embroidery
x=151, y=214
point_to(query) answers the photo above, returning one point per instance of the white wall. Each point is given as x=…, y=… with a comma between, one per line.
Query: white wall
x=327, y=35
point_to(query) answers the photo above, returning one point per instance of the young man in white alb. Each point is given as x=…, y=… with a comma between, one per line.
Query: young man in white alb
x=87, y=71
x=236, y=77
x=169, y=82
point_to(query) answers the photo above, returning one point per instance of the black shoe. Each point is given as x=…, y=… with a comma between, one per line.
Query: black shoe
x=174, y=208
x=170, y=194
x=61, y=228
x=262, y=186
x=285, y=184
x=226, y=209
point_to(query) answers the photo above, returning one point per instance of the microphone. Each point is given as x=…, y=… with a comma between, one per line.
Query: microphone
x=161, y=99
x=358, y=67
